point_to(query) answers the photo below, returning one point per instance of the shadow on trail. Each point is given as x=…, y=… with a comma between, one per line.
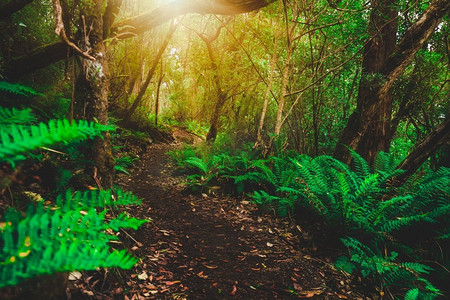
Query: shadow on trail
x=202, y=247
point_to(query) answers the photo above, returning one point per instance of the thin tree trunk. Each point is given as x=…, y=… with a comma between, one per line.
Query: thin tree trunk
x=150, y=73
x=221, y=95
x=259, y=139
x=158, y=89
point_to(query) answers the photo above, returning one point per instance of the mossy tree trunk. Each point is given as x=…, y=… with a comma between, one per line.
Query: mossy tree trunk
x=91, y=92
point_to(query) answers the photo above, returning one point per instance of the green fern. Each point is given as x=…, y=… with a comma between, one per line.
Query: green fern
x=18, y=89
x=198, y=163
x=387, y=270
x=50, y=240
x=15, y=116
x=95, y=198
x=23, y=139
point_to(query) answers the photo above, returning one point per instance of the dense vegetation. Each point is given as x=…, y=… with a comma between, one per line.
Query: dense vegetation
x=333, y=109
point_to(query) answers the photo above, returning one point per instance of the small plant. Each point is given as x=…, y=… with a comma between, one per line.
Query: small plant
x=74, y=232
x=384, y=267
x=122, y=164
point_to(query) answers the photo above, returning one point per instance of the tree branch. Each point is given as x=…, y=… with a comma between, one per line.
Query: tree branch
x=424, y=150
x=48, y=54
x=61, y=32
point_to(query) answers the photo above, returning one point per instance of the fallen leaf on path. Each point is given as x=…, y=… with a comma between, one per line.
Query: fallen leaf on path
x=169, y=283
x=143, y=276
x=74, y=275
x=233, y=292
x=210, y=267
x=269, y=244
x=200, y=274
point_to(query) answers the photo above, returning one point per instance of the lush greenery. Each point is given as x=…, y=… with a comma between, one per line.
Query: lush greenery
x=279, y=93
x=363, y=205
x=69, y=231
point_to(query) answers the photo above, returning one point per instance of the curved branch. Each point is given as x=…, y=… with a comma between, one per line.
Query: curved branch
x=61, y=32
x=48, y=54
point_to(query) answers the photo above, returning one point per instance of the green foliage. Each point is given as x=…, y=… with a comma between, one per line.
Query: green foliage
x=357, y=200
x=15, y=116
x=73, y=234
x=122, y=164
x=21, y=139
x=18, y=89
x=407, y=275
x=70, y=236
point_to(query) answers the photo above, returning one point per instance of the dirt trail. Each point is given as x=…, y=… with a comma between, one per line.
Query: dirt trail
x=203, y=247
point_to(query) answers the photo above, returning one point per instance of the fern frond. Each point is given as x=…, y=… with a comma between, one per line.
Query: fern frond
x=23, y=139
x=95, y=198
x=18, y=89
x=52, y=241
x=15, y=116
x=196, y=163
x=412, y=294
x=361, y=166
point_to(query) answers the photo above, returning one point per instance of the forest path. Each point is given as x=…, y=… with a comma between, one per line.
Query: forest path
x=206, y=247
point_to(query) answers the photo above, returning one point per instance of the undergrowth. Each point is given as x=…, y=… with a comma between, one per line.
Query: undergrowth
x=360, y=202
x=68, y=231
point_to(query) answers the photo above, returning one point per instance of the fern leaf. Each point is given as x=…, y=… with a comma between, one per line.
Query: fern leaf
x=18, y=89
x=196, y=163
x=24, y=139
x=14, y=116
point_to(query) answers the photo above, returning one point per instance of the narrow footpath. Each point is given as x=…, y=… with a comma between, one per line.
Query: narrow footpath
x=207, y=247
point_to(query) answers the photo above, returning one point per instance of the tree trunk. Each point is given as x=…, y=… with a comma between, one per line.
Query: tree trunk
x=383, y=30
x=221, y=95
x=91, y=94
x=259, y=139
x=424, y=150
x=158, y=90
x=368, y=129
x=150, y=73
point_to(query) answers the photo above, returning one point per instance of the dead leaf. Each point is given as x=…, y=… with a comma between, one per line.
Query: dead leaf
x=210, y=267
x=269, y=244
x=143, y=276
x=169, y=283
x=74, y=275
x=233, y=292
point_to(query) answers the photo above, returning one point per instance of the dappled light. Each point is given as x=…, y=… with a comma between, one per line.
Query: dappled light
x=224, y=149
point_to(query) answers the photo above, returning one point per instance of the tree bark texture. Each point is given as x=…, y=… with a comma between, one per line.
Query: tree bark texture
x=221, y=95
x=368, y=130
x=424, y=150
x=259, y=138
x=91, y=94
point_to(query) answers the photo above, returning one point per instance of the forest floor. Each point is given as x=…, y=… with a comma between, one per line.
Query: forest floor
x=198, y=246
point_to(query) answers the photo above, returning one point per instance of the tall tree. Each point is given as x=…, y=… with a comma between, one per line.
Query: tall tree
x=368, y=130
x=92, y=88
